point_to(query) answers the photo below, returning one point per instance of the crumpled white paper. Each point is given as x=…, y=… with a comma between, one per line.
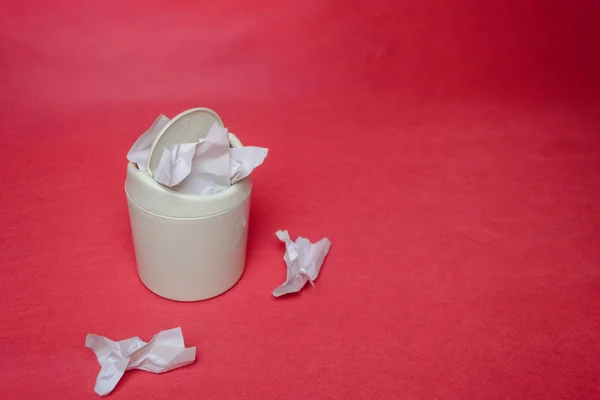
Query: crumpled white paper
x=165, y=352
x=244, y=159
x=205, y=167
x=303, y=259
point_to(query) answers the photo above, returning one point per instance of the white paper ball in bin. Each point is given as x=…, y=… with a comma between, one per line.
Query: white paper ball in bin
x=188, y=191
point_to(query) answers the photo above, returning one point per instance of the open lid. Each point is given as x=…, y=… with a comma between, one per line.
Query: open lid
x=188, y=127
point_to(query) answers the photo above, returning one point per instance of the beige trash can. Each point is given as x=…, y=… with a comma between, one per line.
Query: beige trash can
x=187, y=247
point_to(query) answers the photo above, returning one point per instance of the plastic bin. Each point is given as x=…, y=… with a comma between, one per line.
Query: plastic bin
x=187, y=247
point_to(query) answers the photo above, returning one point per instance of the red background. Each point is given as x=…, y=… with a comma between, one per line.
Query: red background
x=449, y=149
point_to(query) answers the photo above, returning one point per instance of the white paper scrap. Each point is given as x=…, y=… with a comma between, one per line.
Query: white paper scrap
x=209, y=168
x=175, y=164
x=140, y=151
x=303, y=259
x=244, y=160
x=165, y=352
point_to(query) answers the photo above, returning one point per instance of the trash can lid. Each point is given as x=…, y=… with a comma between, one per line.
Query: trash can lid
x=188, y=127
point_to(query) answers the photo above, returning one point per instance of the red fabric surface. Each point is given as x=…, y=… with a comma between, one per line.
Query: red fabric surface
x=449, y=150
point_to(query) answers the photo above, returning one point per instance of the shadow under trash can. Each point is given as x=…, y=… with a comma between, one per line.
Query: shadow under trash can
x=187, y=247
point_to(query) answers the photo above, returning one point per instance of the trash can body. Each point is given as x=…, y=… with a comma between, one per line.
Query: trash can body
x=188, y=247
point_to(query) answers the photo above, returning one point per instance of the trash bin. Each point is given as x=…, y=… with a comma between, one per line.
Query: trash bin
x=187, y=247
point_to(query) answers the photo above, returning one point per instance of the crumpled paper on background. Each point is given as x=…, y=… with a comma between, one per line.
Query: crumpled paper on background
x=165, y=352
x=205, y=167
x=303, y=259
